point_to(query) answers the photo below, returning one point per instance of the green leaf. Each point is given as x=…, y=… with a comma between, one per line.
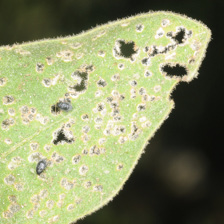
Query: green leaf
x=77, y=112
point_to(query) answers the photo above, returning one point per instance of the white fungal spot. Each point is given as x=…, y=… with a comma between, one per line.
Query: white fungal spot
x=57, y=158
x=68, y=185
x=98, y=93
x=19, y=187
x=122, y=139
x=101, y=53
x=50, y=204
x=66, y=55
x=2, y=81
x=34, y=146
x=75, y=45
x=76, y=159
x=159, y=33
x=35, y=157
x=98, y=188
x=121, y=66
x=83, y=170
x=139, y=28
x=102, y=141
x=165, y=22
x=47, y=82
x=147, y=73
x=49, y=60
x=39, y=67
x=9, y=180
x=8, y=100
x=87, y=184
x=11, y=112
x=70, y=207
x=157, y=88
x=115, y=77
x=8, y=141
x=42, y=213
x=120, y=167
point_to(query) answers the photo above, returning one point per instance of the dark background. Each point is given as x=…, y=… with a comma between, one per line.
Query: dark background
x=179, y=178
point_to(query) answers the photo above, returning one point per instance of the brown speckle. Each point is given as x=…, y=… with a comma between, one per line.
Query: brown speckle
x=8, y=141
x=50, y=204
x=98, y=188
x=7, y=123
x=70, y=207
x=101, y=83
x=85, y=117
x=39, y=67
x=120, y=167
x=141, y=107
x=121, y=66
x=2, y=81
x=11, y=112
x=139, y=28
x=76, y=159
x=49, y=60
x=47, y=82
x=83, y=170
x=57, y=158
x=42, y=213
x=87, y=184
x=19, y=187
x=34, y=146
x=9, y=180
x=101, y=53
x=8, y=100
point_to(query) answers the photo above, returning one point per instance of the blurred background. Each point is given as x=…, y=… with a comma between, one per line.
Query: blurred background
x=179, y=178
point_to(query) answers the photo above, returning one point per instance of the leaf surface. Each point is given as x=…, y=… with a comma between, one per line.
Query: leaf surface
x=77, y=112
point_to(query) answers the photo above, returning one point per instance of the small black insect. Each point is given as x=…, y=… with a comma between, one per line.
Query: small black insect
x=41, y=166
x=66, y=106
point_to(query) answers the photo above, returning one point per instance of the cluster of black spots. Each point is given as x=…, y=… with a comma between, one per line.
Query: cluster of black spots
x=41, y=166
x=125, y=49
x=174, y=70
x=61, y=137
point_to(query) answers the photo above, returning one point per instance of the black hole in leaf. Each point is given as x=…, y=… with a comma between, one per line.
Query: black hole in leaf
x=126, y=49
x=62, y=138
x=174, y=70
x=179, y=37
